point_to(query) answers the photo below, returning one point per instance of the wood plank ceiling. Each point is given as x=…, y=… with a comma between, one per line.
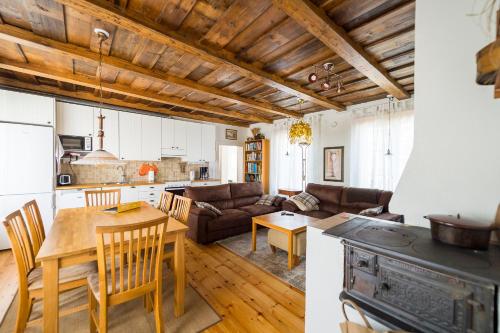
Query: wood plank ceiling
x=227, y=61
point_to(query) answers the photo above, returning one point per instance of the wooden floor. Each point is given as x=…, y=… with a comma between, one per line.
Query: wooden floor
x=8, y=281
x=247, y=298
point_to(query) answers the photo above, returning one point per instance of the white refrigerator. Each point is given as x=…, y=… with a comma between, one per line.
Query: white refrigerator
x=26, y=171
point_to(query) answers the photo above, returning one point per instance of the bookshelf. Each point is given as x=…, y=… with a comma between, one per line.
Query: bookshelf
x=256, y=162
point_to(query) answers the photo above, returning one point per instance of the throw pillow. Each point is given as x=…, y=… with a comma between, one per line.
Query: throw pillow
x=266, y=200
x=372, y=211
x=305, y=201
x=206, y=205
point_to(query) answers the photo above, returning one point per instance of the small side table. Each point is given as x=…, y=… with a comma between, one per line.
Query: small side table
x=288, y=192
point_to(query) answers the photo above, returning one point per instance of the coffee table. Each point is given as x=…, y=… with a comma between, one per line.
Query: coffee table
x=290, y=225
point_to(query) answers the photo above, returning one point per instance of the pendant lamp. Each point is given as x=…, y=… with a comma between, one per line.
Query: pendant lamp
x=100, y=156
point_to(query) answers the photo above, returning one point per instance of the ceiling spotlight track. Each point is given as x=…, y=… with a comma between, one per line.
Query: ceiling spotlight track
x=329, y=79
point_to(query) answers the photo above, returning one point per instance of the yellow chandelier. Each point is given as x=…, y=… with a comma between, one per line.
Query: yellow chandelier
x=300, y=132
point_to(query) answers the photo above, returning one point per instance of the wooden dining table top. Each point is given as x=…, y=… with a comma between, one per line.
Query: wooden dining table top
x=74, y=229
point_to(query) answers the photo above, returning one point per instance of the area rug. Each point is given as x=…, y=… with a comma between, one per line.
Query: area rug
x=128, y=317
x=274, y=263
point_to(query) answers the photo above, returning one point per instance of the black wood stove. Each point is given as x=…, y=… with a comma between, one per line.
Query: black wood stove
x=406, y=280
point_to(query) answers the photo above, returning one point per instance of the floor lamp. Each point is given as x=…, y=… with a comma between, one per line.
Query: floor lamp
x=303, y=147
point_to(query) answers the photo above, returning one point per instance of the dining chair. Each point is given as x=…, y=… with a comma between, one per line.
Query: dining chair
x=165, y=201
x=35, y=225
x=119, y=281
x=180, y=208
x=102, y=198
x=180, y=211
x=30, y=276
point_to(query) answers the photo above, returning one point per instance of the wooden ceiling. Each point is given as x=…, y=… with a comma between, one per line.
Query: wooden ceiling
x=228, y=61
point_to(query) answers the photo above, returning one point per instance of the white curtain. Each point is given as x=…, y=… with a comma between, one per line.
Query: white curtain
x=286, y=159
x=371, y=166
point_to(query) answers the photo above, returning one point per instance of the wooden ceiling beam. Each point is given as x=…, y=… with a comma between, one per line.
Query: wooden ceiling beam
x=91, y=82
x=88, y=96
x=317, y=22
x=147, y=28
x=27, y=38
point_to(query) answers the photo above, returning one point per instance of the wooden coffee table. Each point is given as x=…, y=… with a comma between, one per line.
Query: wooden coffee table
x=290, y=225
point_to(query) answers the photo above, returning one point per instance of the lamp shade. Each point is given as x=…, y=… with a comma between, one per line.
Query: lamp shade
x=99, y=157
x=300, y=132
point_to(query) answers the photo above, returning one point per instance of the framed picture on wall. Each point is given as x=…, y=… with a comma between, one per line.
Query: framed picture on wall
x=231, y=134
x=333, y=164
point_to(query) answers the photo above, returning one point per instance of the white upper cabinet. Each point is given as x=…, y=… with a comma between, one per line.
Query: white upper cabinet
x=173, y=137
x=26, y=108
x=151, y=138
x=193, y=149
x=130, y=136
x=74, y=119
x=111, y=131
x=200, y=142
x=207, y=143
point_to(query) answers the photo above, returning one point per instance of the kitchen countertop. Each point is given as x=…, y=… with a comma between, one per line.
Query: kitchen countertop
x=77, y=186
x=205, y=180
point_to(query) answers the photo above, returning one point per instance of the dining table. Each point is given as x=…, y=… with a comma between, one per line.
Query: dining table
x=72, y=241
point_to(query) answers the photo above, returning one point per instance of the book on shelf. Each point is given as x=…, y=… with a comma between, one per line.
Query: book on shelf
x=254, y=167
x=254, y=156
x=251, y=177
x=251, y=146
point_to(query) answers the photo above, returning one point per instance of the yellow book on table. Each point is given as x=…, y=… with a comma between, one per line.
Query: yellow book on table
x=124, y=207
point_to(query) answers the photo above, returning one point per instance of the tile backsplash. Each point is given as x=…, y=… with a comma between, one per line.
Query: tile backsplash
x=169, y=169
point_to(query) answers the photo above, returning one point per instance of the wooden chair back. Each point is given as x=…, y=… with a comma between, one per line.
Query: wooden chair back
x=102, y=198
x=129, y=259
x=165, y=201
x=35, y=225
x=21, y=245
x=180, y=208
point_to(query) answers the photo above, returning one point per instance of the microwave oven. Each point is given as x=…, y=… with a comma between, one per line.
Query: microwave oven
x=73, y=143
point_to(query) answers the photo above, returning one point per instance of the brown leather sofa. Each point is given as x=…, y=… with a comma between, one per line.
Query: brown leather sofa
x=339, y=199
x=237, y=203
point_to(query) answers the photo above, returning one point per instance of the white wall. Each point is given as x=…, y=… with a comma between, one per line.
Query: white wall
x=455, y=163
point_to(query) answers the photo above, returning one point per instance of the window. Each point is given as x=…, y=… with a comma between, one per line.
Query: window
x=371, y=166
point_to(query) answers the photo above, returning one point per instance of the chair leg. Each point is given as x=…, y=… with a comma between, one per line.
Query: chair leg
x=92, y=307
x=148, y=302
x=103, y=318
x=158, y=309
x=22, y=311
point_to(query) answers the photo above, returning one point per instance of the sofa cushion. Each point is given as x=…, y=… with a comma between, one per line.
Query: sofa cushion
x=206, y=205
x=242, y=190
x=354, y=195
x=256, y=210
x=208, y=193
x=319, y=214
x=240, y=202
x=267, y=200
x=325, y=193
x=230, y=218
x=305, y=201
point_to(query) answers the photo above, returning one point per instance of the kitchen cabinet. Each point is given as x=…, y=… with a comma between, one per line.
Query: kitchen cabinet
x=200, y=142
x=207, y=143
x=74, y=119
x=26, y=108
x=111, y=131
x=150, y=193
x=130, y=136
x=151, y=138
x=173, y=137
x=193, y=149
x=74, y=198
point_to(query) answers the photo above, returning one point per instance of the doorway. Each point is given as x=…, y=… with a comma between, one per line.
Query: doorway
x=231, y=164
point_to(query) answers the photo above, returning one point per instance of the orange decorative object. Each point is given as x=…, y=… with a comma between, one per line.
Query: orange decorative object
x=146, y=167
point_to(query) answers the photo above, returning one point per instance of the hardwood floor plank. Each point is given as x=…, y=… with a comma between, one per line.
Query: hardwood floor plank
x=248, y=298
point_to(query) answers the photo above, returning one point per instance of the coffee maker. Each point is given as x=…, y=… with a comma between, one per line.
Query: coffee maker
x=204, y=172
